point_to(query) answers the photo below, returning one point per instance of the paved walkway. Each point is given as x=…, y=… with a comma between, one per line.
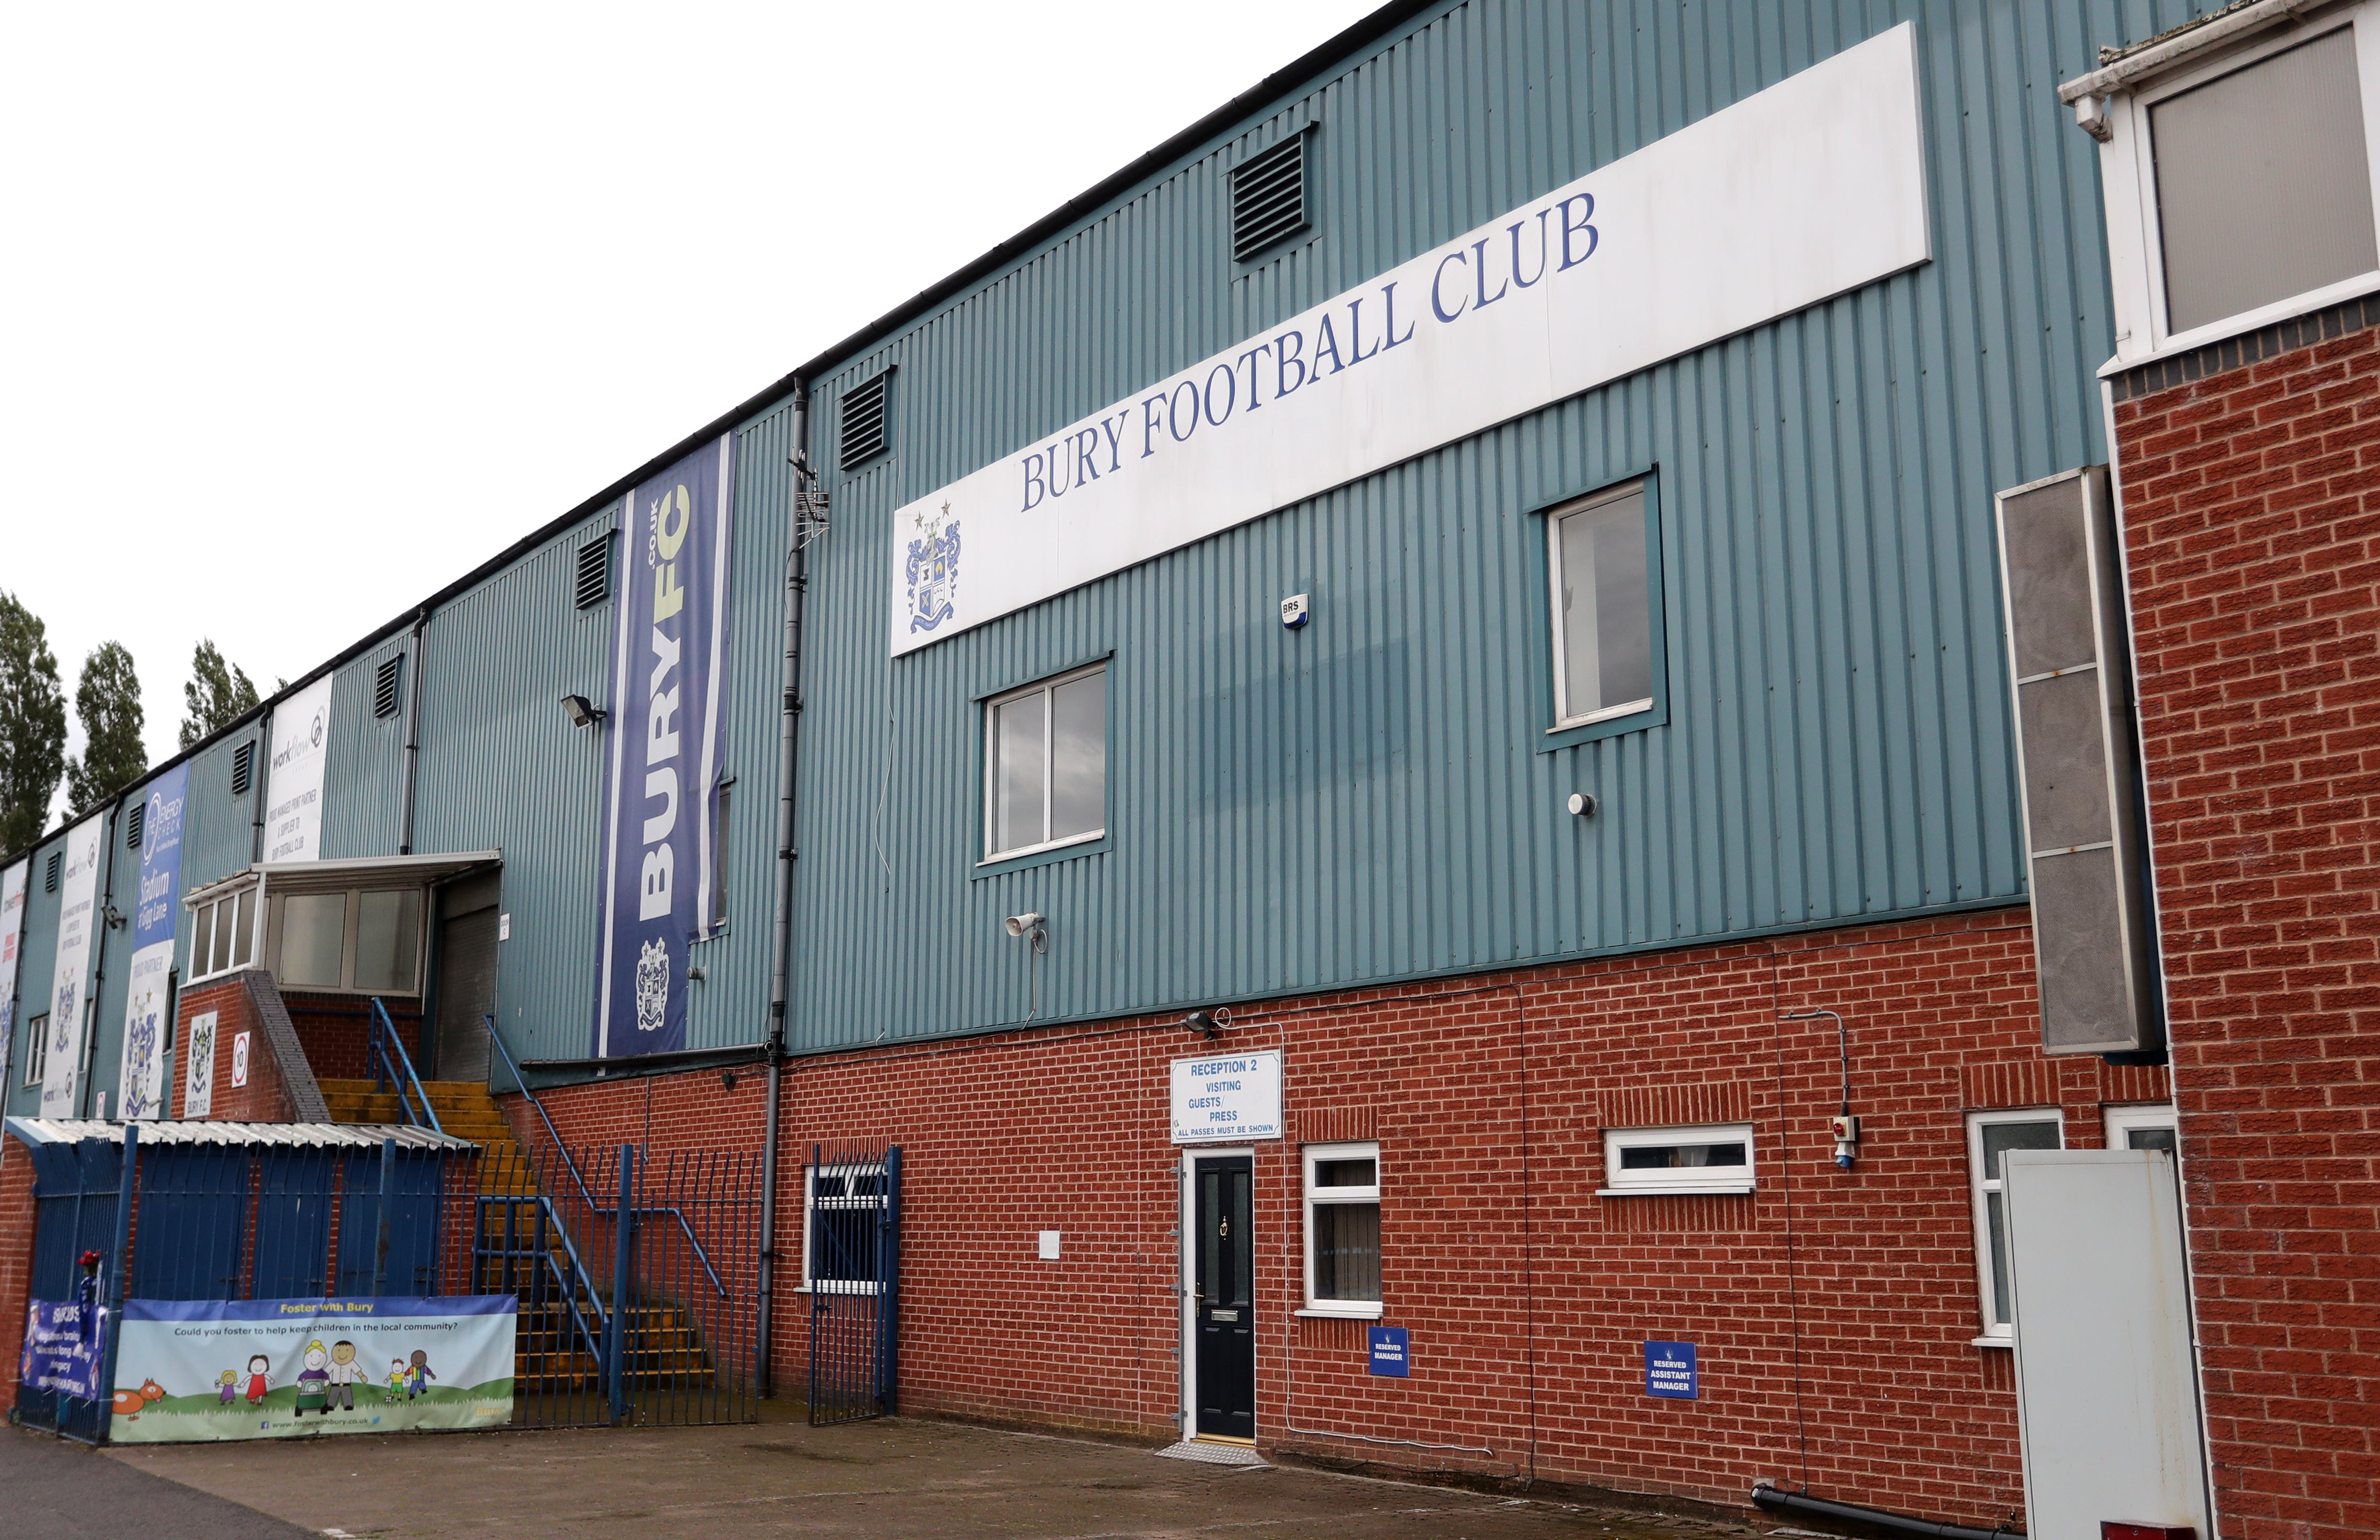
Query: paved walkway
x=897, y=1480
x=53, y=1490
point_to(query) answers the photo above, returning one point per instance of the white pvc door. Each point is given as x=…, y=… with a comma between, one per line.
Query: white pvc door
x=2106, y=1383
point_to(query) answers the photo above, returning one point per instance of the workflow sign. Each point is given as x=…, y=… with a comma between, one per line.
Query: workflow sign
x=1670, y=1371
x=293, y=803
x=1230, y=1097
x=155, y=909
x=1810, y=188
x=1389, y=1355
x=223, y=1369
x=62, y=1348
x=78, y=898
x=661, y=792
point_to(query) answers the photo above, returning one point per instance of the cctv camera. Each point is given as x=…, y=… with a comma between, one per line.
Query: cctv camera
x=1019, y=925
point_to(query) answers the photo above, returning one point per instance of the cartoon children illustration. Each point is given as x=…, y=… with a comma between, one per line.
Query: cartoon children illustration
x=417, y=1378
x=228, y=1386
x=395, y=1379
x=314, y=1382
x=346, y=1374
x=259, y=1379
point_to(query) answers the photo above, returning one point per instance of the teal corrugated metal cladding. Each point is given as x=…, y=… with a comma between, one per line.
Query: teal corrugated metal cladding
x=1367, y=799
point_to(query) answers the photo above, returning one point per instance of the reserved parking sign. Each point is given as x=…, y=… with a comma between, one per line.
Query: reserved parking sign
x=1670, y=1371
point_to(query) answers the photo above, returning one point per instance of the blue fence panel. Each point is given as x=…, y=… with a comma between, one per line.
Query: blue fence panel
x=293, y=1201
x=413, y=1229
x=194, y=1204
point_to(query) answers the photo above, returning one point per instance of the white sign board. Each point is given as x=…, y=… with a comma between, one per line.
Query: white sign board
x=78, y=905
x=1227, y=1097
x=293, y=803
x=12, y=932
x=198, y=1079
x=1805, y=191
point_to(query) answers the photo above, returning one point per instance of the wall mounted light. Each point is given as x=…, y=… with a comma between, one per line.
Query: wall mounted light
x=581, y=711
x=1204, y=1025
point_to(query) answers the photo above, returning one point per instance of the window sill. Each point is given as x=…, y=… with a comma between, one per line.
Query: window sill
x=1993, y=1343
x=2177, y=344
x=1653, y=713
x=1732, y=1189
x=1000, y=866
x=1340, y=1313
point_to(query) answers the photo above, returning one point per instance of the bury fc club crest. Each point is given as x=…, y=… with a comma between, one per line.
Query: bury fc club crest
x=652, y=985
x=933, y=570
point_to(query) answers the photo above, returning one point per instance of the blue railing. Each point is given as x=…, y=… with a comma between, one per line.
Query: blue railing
x=392, y=1065
x=563, y=1151
x=537, y=1248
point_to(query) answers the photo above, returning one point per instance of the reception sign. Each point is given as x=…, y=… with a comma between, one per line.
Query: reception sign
x=1227, y=1097
x=224, y=1369
x=1805, y=191
x=660, y=794
x=149, y=997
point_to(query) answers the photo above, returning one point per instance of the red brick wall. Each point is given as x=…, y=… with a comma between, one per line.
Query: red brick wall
x=2251, y=512
x=16, y=1261
x=335, y=1031
x=1528, y=1297
x=262, y=1099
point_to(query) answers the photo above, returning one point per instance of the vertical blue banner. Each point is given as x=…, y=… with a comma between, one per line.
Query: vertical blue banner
x=157, y=905
x=660, y=765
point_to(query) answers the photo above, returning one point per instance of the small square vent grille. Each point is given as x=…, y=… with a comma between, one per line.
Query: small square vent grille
x=864, y=420
x=1268, y=198
x=134, y=823
x=594, y=582
x=243, y=768
x=50, y=872
x=387, y=682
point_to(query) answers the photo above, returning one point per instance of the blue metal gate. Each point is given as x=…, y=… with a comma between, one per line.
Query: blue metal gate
x=853, y=1198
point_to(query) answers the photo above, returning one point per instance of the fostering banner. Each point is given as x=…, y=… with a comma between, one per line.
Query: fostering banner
x=149, y=996
x=78, y=897
x=293, y=805
x=661, y=764
x=12, y=935
x=224, y=1369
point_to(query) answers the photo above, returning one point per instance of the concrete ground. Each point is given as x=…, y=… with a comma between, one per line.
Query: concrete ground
x=897, y=1480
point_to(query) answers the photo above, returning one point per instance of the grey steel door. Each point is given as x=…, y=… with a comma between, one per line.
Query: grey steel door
x=466, y=977
x=1224, y=1298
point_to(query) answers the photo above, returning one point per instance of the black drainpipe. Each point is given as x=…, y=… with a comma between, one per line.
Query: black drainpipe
x=412, y=729
x=260, y=770
x=1777, y=1500
x=780, y=966
x=102, y=920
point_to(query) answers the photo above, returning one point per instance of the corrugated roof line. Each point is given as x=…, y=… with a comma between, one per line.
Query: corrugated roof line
x=1371, y=27
x=307, y=1135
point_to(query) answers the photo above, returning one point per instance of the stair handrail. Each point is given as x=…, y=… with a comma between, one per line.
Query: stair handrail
x=572, y=1166
x=593, y=1338
x=388, y=1059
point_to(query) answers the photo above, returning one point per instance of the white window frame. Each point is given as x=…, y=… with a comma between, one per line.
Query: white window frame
x=811, y=1203
x=36, y=1037
x=223, y=901
x=270, y=925
x=2128, y=176
x=2000, y=1334
x=1356, y=1310
x=2120, y=1120
x=1049, y=764
x=1638, y=487
x=1619, y=1182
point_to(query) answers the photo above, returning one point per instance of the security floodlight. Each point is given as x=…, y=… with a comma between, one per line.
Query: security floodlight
x=1204, y=1025
x=581, y=712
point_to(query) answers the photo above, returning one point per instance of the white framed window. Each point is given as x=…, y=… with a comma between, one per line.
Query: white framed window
x=2150, y=1125
x=2241, y=187
x=37, y=1048
x=842, y=1209
x=357, y=941
x=222, y=931
x=1599, y=557
x=1045, y=763
x=1343, y=1230
x=1991, y=1135
x=1700, y=1157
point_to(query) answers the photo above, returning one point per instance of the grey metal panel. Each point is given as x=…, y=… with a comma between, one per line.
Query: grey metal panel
x=1365, y=800
x=2064, y=729
x=363, y=766
x=2078, y=929
x=37, y=962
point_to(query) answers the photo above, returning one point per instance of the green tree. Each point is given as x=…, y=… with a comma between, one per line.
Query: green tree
x=218, y=694
x=32, y=725
x=107, y=702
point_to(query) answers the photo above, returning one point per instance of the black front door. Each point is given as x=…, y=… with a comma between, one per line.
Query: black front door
x=1225, y=1299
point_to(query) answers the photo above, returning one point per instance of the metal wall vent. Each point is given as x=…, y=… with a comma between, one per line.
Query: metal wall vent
x=134, y=823
x=50, y=871
x=593, y=584
x=2079, y=765
x=243, y=768
x=866, y=430
x=386, y=680
x=1268, y=200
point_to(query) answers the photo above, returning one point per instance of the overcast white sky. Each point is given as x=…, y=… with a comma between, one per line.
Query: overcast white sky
x=305, y=311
